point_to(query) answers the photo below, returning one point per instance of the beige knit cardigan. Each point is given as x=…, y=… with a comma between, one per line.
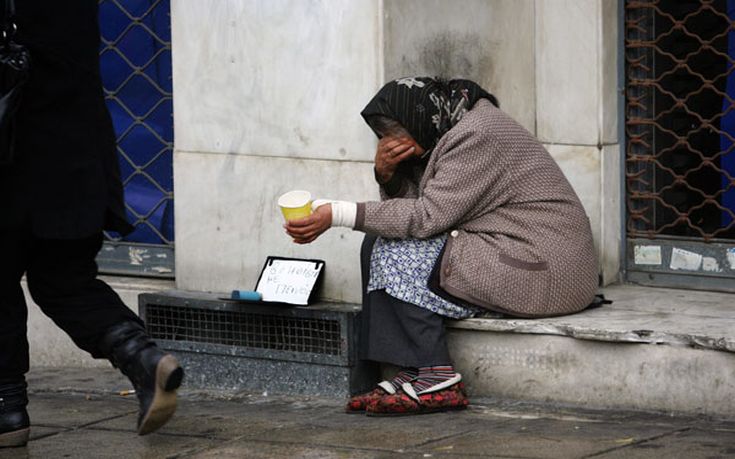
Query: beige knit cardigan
x=519, y=240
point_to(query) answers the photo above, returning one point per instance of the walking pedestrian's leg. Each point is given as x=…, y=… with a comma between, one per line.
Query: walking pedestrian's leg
x=14, y=422
x=62, y=279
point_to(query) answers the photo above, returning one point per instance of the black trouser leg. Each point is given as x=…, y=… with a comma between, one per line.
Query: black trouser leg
x=62, y=279
x=397, y=332
x=13, y=312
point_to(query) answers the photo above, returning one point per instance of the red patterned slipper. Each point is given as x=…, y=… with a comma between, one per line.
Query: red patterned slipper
x=359, y=403
x=407, y=402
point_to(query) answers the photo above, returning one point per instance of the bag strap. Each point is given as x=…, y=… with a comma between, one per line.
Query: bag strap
x=9, y=11
x=598, y=301
x=9, y=27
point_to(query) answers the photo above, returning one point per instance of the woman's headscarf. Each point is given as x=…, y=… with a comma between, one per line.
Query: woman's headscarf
x=426, y=107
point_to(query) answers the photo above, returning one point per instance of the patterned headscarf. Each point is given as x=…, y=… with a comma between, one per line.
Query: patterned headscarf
x=426, y=107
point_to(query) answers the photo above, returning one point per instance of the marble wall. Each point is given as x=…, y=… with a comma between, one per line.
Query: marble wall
x=231, y=229
x=268, y=95
x=275, y=77
x=490, y=42
x=577, y=110
x=267, y=99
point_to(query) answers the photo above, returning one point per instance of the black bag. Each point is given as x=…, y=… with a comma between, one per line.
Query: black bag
x=14, y=65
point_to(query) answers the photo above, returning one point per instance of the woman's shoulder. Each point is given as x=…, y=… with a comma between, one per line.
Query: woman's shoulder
x=480, y=122
x=485, y=114
x=489, y=121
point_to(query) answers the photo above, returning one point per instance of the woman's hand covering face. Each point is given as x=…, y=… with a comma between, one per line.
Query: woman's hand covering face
x=391, y=151
x=307, y=229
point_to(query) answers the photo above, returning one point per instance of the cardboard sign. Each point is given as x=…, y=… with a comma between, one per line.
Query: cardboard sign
x=289, y=280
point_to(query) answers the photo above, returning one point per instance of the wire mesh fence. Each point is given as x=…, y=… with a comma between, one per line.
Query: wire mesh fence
x=135, y=61
x=680, y=118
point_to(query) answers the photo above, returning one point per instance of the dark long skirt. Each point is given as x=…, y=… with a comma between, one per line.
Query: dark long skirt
x=397, y=332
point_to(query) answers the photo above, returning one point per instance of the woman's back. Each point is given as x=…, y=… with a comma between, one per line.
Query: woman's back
x=527, y=227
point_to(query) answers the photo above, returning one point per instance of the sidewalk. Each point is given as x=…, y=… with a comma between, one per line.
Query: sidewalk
x=78, y=413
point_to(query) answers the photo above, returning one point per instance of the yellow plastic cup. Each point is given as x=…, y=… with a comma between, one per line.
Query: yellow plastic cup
x=295, y=204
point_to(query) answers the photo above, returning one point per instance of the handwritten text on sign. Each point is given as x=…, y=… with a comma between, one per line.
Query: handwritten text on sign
x=288, y=281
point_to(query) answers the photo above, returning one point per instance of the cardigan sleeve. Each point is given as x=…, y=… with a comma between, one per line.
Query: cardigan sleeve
x=466, y=178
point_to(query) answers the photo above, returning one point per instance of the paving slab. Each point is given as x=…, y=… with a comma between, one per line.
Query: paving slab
x=542, y=438
x=379, y=434
x=107, y=444
x=53, y=410
x=689, y=443
x=38, y=432
x=311, y=421
x=105, y=380
x=206, y=424
x=217, y=424
x=267, y=450
x=249, y=415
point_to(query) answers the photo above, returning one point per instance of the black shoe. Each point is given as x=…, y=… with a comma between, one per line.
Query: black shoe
x=14, y=422
x=155, y=374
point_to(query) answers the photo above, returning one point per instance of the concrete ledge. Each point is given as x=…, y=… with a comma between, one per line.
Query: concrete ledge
x=703, y=320
x=593, y=374
x=653, y=349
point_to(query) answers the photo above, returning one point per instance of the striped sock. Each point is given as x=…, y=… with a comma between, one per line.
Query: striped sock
x=429, y=377
x=405, y=375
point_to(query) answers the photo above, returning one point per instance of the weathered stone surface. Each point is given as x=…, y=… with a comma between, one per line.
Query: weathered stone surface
x=638, y=315
x=56, y=410
x=263, y=450
x=228, y=424
x=541, y=438
x=487, y=41
x=106, y=444
x=274, y=78
x=682, y=444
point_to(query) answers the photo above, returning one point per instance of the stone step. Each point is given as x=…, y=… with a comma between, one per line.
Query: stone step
x=653, y=349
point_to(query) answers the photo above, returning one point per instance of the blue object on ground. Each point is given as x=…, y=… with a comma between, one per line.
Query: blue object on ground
x=249, y=295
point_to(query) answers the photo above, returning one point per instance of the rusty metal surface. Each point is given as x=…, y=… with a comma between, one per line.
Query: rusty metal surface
x=679, y=158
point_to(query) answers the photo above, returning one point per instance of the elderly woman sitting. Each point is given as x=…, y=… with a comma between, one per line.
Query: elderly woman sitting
x=475, y=215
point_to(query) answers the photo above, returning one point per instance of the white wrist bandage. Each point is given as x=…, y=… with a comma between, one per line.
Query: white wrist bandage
x=344, y=213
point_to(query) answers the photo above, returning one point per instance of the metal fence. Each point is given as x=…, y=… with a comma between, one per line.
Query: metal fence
x=680, y=167
x=680, y=135
x=135, y=61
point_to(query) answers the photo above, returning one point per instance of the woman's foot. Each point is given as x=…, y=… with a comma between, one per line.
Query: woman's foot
x=408, y=401
x=358, y=403
x=434, y=378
